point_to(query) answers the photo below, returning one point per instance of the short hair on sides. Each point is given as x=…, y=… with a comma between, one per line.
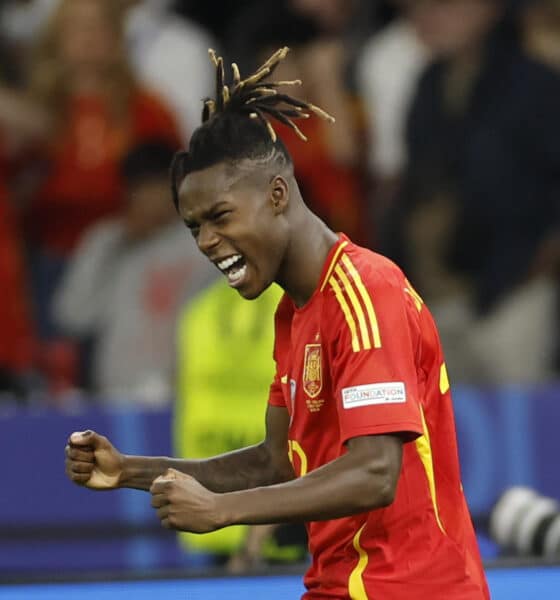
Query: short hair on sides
x=236, y=123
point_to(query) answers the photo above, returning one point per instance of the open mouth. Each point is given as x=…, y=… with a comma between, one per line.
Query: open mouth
x=234, y=268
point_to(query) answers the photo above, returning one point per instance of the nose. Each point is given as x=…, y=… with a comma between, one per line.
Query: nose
x=207, y=238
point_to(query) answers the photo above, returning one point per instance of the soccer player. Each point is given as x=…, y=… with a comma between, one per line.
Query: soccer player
x=360, y=436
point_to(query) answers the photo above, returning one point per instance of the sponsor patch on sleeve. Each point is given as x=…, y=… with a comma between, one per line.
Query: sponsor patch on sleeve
x=393, y=392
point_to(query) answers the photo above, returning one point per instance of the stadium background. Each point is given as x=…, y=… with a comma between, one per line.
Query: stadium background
x=59, y=541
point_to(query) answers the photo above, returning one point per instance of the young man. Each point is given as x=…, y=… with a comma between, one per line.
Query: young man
x=360, y=438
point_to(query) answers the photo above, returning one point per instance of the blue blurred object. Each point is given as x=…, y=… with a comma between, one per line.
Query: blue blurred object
x=507, y=437
x=505, y=584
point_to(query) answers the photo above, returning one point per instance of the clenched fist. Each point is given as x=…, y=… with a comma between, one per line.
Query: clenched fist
x=182, y=503
x=92, y=461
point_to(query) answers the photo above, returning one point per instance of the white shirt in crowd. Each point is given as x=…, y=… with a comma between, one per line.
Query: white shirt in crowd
x=128, y=296
x=170, y=55
x=388, y=72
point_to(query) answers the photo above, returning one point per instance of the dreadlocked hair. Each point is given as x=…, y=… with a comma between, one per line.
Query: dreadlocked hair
x=236, y=124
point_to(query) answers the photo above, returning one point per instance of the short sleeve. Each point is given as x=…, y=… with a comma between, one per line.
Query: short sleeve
x=275, y=396
x=282, y=322
x=374, y=358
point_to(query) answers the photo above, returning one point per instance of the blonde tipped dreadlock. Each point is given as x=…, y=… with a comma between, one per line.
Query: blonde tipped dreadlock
x=260, y=99
x=237, y=121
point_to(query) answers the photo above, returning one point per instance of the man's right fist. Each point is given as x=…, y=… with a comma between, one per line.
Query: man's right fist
x=92, y=461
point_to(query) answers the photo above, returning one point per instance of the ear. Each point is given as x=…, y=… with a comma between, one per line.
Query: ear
x=279, y=194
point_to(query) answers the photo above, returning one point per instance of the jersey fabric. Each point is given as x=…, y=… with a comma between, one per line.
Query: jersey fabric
x=363, y=357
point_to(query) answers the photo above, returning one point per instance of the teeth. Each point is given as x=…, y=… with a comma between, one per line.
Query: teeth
x=236, y=275
x=228, y=262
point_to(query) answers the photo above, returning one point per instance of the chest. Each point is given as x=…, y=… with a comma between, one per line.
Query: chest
x=308, y=386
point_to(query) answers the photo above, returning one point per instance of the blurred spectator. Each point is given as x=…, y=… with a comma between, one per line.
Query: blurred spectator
x=479, y=204
x=541, y=29
x=85, y=111
x=21, y=22
x=217, y=331
x=127, y=281
x=17, y=347
x=329, y=164
x=215, y=18
x=16, y=329
x=388, y=71
x=170, y=55
x=350, y=21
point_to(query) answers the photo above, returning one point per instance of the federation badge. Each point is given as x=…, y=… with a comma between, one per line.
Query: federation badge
x=312, y=370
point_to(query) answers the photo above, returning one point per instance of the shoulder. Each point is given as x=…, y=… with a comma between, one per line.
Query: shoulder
x=535, y=73
x=539, y=85
x=363, y=289
x=150, y=107
x=146, y=99
x=360, y=266
x=153, y=117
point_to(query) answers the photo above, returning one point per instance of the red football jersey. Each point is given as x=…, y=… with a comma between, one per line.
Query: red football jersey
x=363, y=357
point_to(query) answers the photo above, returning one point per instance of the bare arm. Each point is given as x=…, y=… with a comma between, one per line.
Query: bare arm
x=363, y=479
x=92, y=461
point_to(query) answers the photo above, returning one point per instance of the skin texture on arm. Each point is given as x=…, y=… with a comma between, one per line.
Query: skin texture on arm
x=92, y=461
x=363, y=479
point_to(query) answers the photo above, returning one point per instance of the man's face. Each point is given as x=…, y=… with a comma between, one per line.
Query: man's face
x=237, y=223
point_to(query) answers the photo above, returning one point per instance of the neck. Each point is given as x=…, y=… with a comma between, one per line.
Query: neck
x=303, y=264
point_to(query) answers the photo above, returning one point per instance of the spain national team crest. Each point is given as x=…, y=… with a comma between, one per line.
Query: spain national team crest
x=312, y=370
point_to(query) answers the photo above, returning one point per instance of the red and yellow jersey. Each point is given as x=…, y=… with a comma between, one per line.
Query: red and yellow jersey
x=363, y=357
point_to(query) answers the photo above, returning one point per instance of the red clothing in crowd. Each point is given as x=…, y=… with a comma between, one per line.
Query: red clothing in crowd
x=16, y=332
x=363, y=357
x=83, y=183
x=333, y=191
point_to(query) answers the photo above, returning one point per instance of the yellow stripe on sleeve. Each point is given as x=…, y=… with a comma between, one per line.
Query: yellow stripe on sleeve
x=424, y=449
x=356, y=588
x=443, y=379
x=333, y=263
x=347, y=314
x=358, y=310
x=366, y=299
x=415, y=295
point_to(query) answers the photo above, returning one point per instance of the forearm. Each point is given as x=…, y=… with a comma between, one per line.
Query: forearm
x=239, y=470
x=338, y=489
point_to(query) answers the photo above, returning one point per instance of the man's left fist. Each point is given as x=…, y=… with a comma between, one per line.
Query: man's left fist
x=184, y=504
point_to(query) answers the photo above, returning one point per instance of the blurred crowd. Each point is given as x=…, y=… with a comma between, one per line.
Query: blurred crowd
x=445, y=156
